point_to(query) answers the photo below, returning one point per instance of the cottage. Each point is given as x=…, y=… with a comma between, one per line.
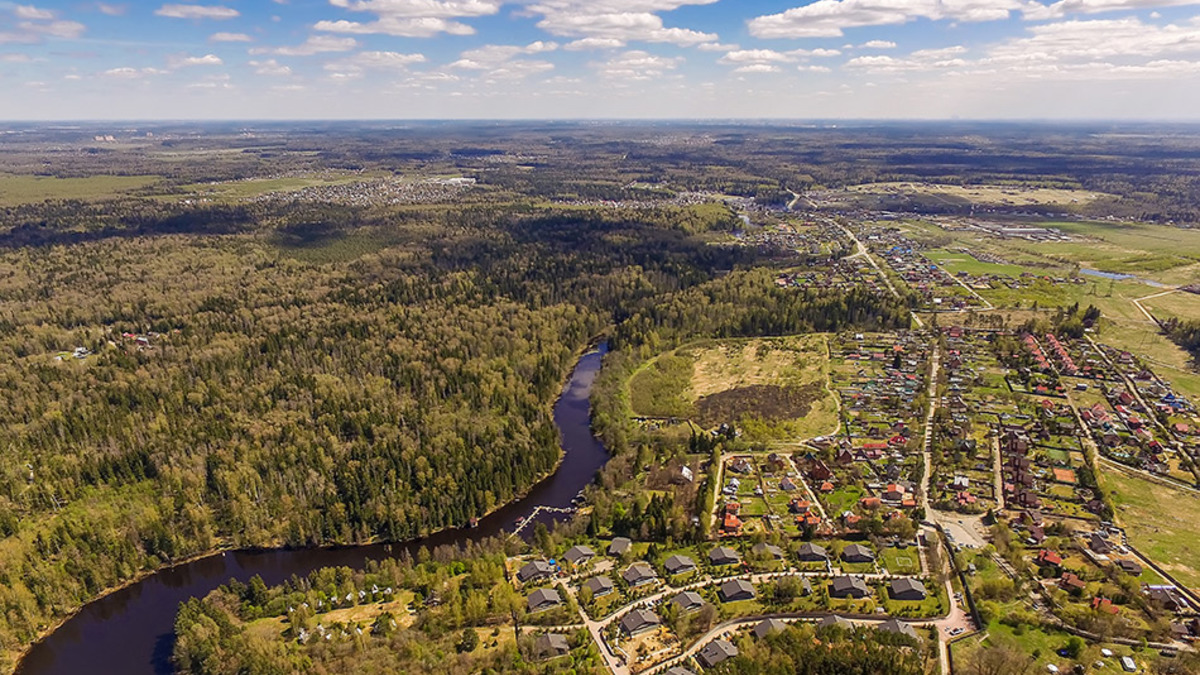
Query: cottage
x=1130, y=567
x=619, y=546
x=1070, y=582
x=678, y=670
x=688, y=601
x=835, y=620
x=639, y=574
x=639, y=621
x=765, y=550
x=679, y=564
x=1100, y=545
x=849, y=587
x=1047, y=557
x=820, y=472
x=767, y=627
x=716, y=653
x=735, y=590
x=551, y=645
x=857, y=553
x=907, y=589
x=577, y=555
x=543, y=599
x=599, y=586
x=723, y=555
x=538, y=569
x=809, y=552
x=897, y=626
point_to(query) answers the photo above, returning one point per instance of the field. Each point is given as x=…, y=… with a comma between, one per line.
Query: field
x=1149, y=512
x=982, y=194
x=1178, y=305
x=16, y=190
x=773, y=388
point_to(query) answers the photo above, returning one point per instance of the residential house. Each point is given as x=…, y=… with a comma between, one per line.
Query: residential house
x=543, y=599
x=532, y=571
x=599, y=586
x=688, y=601
x=907, y=589
x=639, y=621
x=857, y=553
x=551, y=645
x=735, y=590
x=849, y=587
x=639, y=574
x=716, y=653
x=619, y=546
x=810, y=552
x=723, y=555
x=577, y=555
x=679, y=564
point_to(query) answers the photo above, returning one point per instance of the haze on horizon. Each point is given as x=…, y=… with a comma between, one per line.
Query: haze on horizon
x=492, y=59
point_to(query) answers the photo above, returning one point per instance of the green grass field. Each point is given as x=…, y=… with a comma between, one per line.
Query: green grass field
x=1149, y=512
x=16, y=190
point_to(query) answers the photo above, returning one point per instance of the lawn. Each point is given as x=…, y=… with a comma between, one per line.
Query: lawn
x=16, y=189
x=901, y=561
x=1040, y=645
x=842, y=499
x=1150, y=512
x=1175, y=305
x=955, y=262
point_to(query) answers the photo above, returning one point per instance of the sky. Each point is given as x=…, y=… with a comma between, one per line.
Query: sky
x=550, y=59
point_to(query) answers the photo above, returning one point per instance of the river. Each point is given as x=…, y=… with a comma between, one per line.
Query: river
x=129, y=632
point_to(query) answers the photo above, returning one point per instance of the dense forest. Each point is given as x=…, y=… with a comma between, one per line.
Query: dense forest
x=178, y=393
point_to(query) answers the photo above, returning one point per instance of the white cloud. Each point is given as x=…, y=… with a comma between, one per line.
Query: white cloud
x=637, y=65
x=15, y=58
x=35, y=25
x=829, y=18
x=188, y=61
x=270, y=68
x=617, y=20
x=410, y=18
x=593, y=43
x=230, y=37
x=1036, y=11
x=878, y=44
x=315, y=44
x=127, y=73
x=216, y=12
x=762, y=57
x=757, y=68
x=355, y=66
x=111, y=10
x=32, y=13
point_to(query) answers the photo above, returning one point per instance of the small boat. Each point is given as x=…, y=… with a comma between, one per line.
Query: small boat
x=473, y=523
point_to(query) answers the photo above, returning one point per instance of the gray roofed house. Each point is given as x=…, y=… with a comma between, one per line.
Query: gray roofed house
x=716, y=652
x=736, y=589
x=688, y=601
x=543, y=599
x=538, y=569
x=849, y=587
x=679, y=564
x=723, y=555
x=550, y=645
x=600, y=586
x=1130, y=567
x=907, y=589
x=809, y=552
x=835, y=620
x=639, y=621
x=857, y=553
x=804, y=584
x=619, y=546
x=638, y=573
x=768, y=626
x=579, y=554
x=897, y=626
x=678, y=670
x=1100, y=544
x=763, y=548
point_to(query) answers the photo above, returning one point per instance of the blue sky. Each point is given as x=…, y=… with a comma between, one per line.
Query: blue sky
x=281, y=59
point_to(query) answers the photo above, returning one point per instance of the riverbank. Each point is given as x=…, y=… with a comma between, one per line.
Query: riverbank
x=144, y=606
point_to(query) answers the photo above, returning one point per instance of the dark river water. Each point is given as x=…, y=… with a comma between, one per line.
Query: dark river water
x=130, y=631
